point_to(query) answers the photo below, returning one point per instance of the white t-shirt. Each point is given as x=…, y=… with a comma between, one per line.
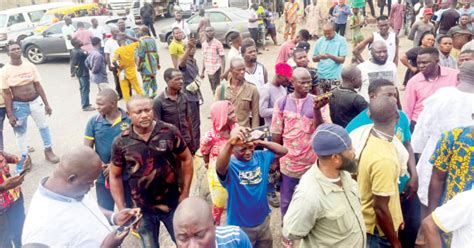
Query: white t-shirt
x=184, y=26
x=99, y=33
x=371, y=71
x=253, y=15
x=110, y=46
x=68, y=30
x=59, y=221
x=457, y=216
x=233, y=53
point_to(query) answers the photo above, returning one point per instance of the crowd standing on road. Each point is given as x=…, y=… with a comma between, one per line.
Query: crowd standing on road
x=356, y=163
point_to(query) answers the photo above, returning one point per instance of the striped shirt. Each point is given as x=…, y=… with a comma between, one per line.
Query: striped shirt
x=231, y=237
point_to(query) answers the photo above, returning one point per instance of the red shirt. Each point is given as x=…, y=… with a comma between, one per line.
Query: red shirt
x=8, y=197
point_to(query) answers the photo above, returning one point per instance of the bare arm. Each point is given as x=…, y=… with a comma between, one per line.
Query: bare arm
x=89, y=143
x=222, y=162
x=116, y=186
x=412, y=33
x=337, y=59
x=265, y=75
x=187, y=171
x=397, y=48
x=360, y=48
x=412, y=186
x=7, y=96
x=223, y=63
x=438, y=179
x=254, y=108
x=40, y=91
x=174, y=58
x=278, y=149
x=405, y=62
x=431, y=232
x=384, y=219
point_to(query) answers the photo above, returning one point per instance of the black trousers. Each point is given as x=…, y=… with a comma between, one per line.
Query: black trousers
x=382, y=6
x=149, y=23
x=341, y=29
x=371, y=6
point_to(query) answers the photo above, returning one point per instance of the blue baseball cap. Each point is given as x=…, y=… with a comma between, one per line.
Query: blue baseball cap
x=330, y=139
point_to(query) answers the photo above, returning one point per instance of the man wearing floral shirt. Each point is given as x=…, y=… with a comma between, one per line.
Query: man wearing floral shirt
x=213, y=59
x=12, y=210
x=295, y=118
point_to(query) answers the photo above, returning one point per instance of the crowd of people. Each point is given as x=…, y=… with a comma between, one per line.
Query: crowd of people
x=360, y=158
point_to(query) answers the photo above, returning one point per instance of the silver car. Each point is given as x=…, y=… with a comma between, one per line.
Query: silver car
x=50, y=43
x=224, y=20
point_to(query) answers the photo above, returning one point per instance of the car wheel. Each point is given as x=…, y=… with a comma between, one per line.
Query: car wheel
x=20, y=38
x=227, y=39
x=169, y=38
x=170, y=10
x=35, y=55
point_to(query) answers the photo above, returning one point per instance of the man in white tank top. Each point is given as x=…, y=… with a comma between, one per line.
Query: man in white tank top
x=255, y=73
x=384, y=34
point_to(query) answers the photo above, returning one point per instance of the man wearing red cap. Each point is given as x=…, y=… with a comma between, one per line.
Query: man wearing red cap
x=421, y=26
x=273, y=91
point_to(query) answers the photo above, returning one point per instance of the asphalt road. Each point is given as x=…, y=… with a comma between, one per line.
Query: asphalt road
x=68, y=121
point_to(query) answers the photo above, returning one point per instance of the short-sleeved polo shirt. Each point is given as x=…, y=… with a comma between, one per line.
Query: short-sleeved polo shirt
x=337, y=46
x=103, y=133
x=152, y=166
x=176, y=48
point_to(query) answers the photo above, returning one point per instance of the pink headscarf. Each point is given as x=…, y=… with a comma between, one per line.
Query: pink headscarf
x=220, y=115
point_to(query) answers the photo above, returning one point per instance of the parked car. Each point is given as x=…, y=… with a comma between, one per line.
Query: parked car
x=48, y=17
x=18, y=23
x=224, y=20
x=50, y=43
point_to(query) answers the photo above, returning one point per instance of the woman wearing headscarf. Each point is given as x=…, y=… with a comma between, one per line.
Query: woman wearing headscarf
x=223, y=120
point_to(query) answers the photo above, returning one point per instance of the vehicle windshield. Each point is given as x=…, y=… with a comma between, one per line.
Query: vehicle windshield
x=3, y=20
x=46, y=19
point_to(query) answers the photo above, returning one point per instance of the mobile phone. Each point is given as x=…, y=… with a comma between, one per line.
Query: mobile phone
x=323, y=96
x=129, y=223
x=261, y=132
x=23, y=172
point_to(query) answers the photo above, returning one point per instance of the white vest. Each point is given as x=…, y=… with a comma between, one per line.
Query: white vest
x=257, y=77
x=391, y=43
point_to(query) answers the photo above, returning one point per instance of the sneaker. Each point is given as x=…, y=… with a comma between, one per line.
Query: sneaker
x=88, y=108
x=50, y=156
x=273, y=200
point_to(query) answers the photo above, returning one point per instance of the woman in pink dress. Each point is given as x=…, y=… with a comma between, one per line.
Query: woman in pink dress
x=397, y=15
x=223, y=120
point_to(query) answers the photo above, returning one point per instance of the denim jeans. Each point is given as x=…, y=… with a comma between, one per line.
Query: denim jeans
x=3, y=111
x=84, y=87
x=105, y=199
x=288, y=185
x=11, y=224
x=149, y=229
x=22, y=110
x=377, y=241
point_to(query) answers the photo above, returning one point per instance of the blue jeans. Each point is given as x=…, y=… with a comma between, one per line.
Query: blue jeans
x=22, y=110
x=84, y=87
x=377, y=241
x=3, y=111
x=105, y=199
x=149, y=229
x=11, y=224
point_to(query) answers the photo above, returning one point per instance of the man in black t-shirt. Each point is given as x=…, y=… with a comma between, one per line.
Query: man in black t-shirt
x=345, y=103
x=449, y=19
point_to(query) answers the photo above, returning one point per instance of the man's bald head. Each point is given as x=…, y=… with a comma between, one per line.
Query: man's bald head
x=379, y=52
x=466, y=73
x=352, y=76
x=109, y=95
x=135, y=99
x=383, y=110
x=194, y=216
x=77, y=171
x=144, y=30
x=300, y=72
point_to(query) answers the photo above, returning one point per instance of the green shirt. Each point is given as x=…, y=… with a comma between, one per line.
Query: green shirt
x=323, y=214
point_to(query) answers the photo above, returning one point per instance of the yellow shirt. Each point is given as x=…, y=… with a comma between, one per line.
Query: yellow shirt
x=125, y=56
x=378, y=174
x=176, y=48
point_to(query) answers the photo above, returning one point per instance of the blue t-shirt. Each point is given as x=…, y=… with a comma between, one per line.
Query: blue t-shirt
x=231, y=237
x=246, y=183
x=103, y=133
x=402, y=130
x=343, y=11
x=337, y=46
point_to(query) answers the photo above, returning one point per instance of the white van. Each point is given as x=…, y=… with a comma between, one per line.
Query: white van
x=18, y=23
